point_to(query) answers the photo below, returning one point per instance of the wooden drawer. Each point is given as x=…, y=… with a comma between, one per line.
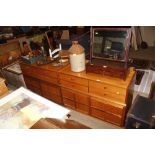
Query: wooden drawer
x=82, y=108
x=115, y=119
x=82, y=98
x=36, y=90
x=31, y=82
x=67, y=94
x=102, y=87
x=69, y=103
x=33, y=85
x=45, y=75
x=74, y=86
x=74, y=79
x=107, y=91
x=51, y=92
x=55, y=98
x=104, y=106
x=48, y=88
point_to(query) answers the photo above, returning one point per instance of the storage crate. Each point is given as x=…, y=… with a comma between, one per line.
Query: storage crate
x=32, y=60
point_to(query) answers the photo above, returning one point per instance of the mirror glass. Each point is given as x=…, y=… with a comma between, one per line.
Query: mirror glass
x=109, y=44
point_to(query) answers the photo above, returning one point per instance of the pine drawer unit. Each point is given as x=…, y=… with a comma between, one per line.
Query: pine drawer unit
x=76, y=101
x=103, y=97
x=43, y=80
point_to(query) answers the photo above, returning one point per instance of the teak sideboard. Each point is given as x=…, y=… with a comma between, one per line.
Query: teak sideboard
x=43, y=80
x=103, y=97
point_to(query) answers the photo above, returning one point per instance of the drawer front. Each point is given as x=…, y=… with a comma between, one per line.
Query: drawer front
x=107, y=91
x=33, y=85
x=82, y=98
x=74, y=79
x=55, y=98
x=30, y=82
x=104, y=106
x=69, y=103
x=52, y=96
x=41, y=74
x=82, y=108
x=36, y=90
x=50, y=89
x=106, y=117
x=73, y=86
x=51, y=92
x=67, y=94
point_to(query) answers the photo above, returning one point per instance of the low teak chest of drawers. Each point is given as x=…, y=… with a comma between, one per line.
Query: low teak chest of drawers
x=100, y=96
x=103, y=97
x=43, y=80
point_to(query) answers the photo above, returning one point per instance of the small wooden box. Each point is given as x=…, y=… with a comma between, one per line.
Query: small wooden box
x=32, y=60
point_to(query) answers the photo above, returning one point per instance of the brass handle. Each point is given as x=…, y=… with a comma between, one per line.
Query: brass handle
x=117, y=92
x=105, y=87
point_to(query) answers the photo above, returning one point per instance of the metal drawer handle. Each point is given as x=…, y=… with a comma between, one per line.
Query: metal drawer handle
x=105, y=87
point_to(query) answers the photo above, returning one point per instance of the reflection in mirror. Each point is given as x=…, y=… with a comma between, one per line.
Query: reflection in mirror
x=109, y=44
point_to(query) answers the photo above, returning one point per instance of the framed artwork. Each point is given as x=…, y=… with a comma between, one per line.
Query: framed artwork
x=25, y=46
x=22, y=109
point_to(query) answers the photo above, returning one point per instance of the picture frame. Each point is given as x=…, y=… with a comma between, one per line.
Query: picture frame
x=22, y=108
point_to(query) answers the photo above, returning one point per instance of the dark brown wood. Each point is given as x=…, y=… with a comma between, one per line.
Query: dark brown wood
x=108, y=66
x=106, y=70
x=51, y=123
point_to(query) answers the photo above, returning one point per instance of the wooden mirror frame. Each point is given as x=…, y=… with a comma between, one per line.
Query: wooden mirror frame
x=113, y=61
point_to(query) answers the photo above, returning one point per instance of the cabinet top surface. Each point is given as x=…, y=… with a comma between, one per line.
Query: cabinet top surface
x=49, y=66
x=100, y=78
